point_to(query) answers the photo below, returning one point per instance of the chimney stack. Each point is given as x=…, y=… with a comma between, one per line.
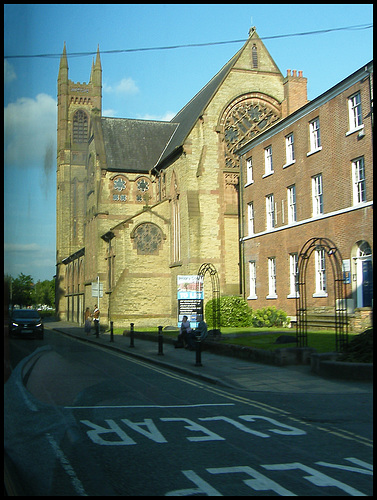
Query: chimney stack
x=295, y=92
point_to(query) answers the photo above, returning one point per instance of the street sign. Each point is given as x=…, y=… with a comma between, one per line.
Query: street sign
x=95, y=289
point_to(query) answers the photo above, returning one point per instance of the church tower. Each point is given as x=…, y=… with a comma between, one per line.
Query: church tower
x=77, y=104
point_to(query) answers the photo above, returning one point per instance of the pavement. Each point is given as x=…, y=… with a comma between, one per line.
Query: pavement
x=218, y=369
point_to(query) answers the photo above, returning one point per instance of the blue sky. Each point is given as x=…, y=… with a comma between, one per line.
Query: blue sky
x=142, y=84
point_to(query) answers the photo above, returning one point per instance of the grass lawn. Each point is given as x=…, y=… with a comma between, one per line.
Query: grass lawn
x=323, y=341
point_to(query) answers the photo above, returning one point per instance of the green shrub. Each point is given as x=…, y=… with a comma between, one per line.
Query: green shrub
x=234, y=312
x=269, y=316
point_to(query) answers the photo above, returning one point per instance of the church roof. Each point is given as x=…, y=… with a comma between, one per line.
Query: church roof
x=188, y=116
x=134, y=145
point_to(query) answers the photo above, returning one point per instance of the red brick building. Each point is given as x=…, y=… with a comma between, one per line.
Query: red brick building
x=310, y=175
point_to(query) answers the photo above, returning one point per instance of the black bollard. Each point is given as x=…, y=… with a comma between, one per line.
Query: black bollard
x=160, y=341
x=198, y=349
x=111, y=331
x=132, y=335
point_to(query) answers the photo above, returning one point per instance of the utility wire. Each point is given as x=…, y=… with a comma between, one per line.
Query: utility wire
x=170, y=47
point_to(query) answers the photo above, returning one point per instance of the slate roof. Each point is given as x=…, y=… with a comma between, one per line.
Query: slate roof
x=134, y=145
x=141, y=145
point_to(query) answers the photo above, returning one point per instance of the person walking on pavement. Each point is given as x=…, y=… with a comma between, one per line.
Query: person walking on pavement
x=96, y=320
x=88, y=321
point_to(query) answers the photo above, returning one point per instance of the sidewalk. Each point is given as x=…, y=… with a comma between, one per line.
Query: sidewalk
x=222, y=370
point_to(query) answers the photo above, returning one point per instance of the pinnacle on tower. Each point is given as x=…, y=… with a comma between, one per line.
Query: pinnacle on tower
x=63, y=64
x=98, y=60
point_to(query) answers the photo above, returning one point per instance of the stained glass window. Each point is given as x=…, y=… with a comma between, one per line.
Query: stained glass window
x=148, y=238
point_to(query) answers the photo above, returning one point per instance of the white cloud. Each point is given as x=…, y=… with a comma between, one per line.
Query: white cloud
x=110, y=113
x=126, y=86
x=166, y=117
x=21, y=247
x=29, y=128
x=9, y=73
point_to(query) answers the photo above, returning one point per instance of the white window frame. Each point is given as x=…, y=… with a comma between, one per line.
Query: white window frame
x=293, y=272
x=289, y=150
x=320, y=273
x=355, y=113
x=250, y=218
x=252, y=280
x=317, y=195
x=291, y=201
x=268, y=166
x=271, y=278
x=314, y=136
x=358, y=181
x=249, y=171
x=270, y=211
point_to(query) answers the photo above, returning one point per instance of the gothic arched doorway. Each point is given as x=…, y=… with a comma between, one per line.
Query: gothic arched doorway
x=203, y=270
x=327, y=248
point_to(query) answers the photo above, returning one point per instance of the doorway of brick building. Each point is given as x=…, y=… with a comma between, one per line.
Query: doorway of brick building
x=364, y=275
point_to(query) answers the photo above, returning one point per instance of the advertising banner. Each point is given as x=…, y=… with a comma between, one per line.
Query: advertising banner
x=190, y=296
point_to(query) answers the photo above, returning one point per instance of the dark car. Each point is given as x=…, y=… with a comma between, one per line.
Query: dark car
x=26, y=323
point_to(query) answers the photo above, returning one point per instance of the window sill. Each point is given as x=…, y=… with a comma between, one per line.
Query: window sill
x=293, y=296
x=252, y=297
x=289, y=164
x=268, y=174
x=357, y=129
x=176, y=264
x=249, y=184
x=274, y=296
x=320, y=294
x=314, y=151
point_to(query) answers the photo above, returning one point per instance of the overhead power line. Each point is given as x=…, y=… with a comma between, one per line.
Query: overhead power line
x=188, y=45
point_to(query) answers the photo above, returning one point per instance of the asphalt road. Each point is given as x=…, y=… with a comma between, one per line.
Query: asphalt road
x=97, y=422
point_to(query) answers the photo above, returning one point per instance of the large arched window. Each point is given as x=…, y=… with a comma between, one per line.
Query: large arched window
x=80, y=127
x=147, y=238
x=244, y=119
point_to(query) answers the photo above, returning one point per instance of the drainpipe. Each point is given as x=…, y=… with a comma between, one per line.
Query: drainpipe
x=241, y=232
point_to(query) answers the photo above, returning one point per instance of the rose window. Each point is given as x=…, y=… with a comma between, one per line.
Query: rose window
x=147, y=238
x=243, y=122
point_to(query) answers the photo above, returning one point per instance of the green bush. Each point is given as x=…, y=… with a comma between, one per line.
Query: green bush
x=269, y=316
x=234, y=312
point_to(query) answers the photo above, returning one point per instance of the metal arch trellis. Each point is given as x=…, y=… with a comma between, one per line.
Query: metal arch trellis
x=340, y=306
x=203, y=270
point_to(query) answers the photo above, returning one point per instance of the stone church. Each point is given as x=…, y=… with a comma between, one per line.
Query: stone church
x=142, y=202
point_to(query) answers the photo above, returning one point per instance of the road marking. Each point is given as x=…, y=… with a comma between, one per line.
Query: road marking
x=149, y=406
x=76, y=483
x=239, y=399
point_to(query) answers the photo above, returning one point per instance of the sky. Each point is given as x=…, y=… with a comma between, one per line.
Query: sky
x=140, y=84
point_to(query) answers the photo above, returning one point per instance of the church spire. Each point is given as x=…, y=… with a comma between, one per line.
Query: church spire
x=63, y=68
x=96, y=76
x=98, y=60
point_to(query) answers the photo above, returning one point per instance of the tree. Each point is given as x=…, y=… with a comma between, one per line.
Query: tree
x=21, y=290
x=44, y=292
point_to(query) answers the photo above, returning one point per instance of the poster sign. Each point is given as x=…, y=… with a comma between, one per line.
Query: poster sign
x=346, y=265
x=190, y=296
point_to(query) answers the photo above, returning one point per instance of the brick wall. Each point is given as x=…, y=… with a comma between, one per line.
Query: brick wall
x=344, y=223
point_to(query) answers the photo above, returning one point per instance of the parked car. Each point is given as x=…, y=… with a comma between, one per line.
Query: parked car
x=26, y=323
